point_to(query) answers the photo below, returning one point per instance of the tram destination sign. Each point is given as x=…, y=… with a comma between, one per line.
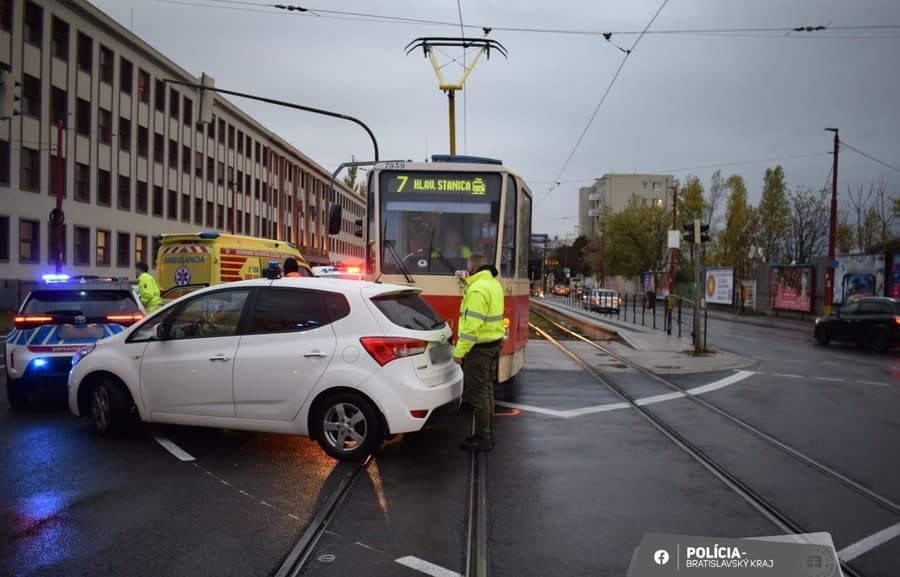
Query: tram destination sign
x=467, y=183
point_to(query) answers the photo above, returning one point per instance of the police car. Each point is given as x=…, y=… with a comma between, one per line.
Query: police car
x=349, y=273
x=59, y=317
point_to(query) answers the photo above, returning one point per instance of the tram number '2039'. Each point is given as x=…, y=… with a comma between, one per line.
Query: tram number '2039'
x=394, y=165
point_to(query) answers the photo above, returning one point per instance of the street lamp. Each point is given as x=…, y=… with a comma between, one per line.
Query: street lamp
x=832, y=226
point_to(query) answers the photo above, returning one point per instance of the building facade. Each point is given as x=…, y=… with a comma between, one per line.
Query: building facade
x=615, y=191
x=134, y=161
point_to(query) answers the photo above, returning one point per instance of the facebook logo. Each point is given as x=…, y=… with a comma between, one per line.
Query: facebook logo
x=661, y=557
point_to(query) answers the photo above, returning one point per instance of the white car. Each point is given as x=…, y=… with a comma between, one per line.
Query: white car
x=344, y=363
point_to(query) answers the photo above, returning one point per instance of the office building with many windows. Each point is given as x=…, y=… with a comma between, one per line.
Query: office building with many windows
x=134, y=161
x=615, y=191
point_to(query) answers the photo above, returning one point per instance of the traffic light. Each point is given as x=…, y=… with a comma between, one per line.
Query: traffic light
x=7, y=94
x=695, y=229
x=206, y=98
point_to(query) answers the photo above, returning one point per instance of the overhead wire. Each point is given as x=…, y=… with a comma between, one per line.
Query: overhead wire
x=869, y=156
x=462, y=32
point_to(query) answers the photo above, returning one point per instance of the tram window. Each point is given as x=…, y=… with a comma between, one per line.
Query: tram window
x=524, y=242
x=508, y=252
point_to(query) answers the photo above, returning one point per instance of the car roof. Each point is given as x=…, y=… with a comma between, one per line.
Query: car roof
x=875, y=299
x=85, y=283
x=367, y=288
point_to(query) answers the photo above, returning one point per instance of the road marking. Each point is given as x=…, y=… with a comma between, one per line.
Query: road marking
x=787, y=376
x=874, y=383
x=829, y=379
x=425, y=567
x=862, y=546
x=171, y=447
x=721, y=383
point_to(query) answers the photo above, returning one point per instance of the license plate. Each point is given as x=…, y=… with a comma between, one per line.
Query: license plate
x=75, y=333
x=441, y=354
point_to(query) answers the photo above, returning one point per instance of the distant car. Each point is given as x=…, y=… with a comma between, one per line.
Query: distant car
x=346, y=363
x=604, y=301
x=59, y=317
x=869, y=321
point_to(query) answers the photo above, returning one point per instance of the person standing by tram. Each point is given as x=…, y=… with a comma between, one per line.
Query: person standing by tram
x=478, y=344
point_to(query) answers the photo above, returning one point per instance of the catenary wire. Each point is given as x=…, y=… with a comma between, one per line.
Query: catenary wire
x=869, y=156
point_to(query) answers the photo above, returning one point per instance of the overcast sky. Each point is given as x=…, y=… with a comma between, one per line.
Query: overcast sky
x=684, y=103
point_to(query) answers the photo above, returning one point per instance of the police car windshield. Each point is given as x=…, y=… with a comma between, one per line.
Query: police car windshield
x=89, y=303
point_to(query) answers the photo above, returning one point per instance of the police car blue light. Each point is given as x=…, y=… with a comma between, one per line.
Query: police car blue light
x=55, y=277
x=39, y=363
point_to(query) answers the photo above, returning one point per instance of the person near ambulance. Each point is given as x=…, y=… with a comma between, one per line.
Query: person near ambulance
x=291, y=267
x=148, y=290
x=478, y=344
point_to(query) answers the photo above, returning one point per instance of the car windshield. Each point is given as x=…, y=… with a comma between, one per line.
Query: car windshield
x=89, y=303
x=409, y=311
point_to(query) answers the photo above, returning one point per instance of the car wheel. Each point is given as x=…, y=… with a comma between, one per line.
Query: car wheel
x=109, y=407
x=17, y=394
x=878, y=340
x=348, y=427
x=822, y=336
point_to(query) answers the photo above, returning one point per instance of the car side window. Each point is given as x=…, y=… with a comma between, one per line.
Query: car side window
x=280, y=310
x=215, y=314
x=849, y=309
x=872, y=308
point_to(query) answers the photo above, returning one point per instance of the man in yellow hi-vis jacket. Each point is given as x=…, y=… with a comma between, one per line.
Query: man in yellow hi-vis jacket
x=480, y=337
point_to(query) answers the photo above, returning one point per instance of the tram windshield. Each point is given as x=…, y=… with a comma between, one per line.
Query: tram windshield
x=432, y=221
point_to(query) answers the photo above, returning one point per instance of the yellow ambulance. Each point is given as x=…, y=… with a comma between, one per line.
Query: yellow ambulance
x=208, y=258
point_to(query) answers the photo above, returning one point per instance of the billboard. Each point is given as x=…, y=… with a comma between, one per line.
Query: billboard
x=895, y=277
x=858, y=275
x=791, y=288
x=719, y=285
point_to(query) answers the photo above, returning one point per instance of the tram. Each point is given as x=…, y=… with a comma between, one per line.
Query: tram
x=423, y=220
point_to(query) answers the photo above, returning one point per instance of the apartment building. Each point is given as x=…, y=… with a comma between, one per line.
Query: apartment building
x=133, y=160
x=615, y=191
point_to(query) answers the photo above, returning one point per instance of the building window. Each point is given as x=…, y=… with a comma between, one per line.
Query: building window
x=106, y=64
x=157, y=201
x=185, y=208
x=52, y=250
x=102, y=247
x=29, y=241
x=4, y=162
x=81, y=242
x=210, y=169
x=198, y=211
x=60, y=34
x=126, y=75
x=124, y=196
x=160, y=96
x=172, y=205
x=83, y=117
x=657, y=186
x=231, y=137
x=174, y=100
x=123, y=249
x=220, y=174
x=144, y=86
x=104, y=126
x=34, y=23
x=4, y=238
x=158, y=144
x=140, y=248
x=173, y=153
x=220, y=216
x=82, y=182
x=644, y=185
x=221, y=131
x=31, y=96
x=240, y=142
x=186, y=159
x=209, y=214
x=59, y=107
x=103, y=187
x=188, y=111
x=198, y=164
x=142, y=141
x=211, y=128
x=140, y=197
x=85, y=52
x=6, y=8
x=31, y=169
x=265, y=156
x=124, y=134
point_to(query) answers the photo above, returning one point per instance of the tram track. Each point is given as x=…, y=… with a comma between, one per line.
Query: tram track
x=768, y=509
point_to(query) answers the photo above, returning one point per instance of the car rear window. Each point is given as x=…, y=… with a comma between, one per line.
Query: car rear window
x=408, y=310
x=88, y=303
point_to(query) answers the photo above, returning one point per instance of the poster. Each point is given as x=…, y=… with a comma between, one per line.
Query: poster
x=791, y=288
x=858, y=275
x=719, y=285
x=895, y=277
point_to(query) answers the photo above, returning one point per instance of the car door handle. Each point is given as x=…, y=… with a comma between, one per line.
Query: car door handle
x=220, y=358
x=315, y=354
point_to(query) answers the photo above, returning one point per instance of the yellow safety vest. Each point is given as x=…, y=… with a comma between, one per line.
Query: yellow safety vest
x=481, y=312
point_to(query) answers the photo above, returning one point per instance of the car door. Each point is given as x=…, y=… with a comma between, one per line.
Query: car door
x=288, y=345
x=190, y=372
x=871, y=315
x=843, y=325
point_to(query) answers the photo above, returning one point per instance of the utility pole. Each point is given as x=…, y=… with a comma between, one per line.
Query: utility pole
x=58, y=219
x=674, y=241
x=832, y=226
x=698, y=245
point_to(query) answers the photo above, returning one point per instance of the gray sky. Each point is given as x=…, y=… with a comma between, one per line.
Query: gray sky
x=683, y=103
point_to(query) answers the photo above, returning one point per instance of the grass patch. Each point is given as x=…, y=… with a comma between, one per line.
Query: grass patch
x=547, y=327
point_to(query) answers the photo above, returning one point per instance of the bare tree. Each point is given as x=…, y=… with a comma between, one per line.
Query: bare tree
x=872, y=212
x=717, y=190
x=807, y=234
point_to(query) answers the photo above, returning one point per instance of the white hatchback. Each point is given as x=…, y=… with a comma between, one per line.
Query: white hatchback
x=343, y=362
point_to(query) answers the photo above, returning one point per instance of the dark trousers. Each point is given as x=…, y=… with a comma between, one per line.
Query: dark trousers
x=479, y=374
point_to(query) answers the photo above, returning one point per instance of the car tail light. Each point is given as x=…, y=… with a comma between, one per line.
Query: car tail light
x=418, y=413
x=31, y=321
x=127, y=318
x=897, y=320
x=387, y=349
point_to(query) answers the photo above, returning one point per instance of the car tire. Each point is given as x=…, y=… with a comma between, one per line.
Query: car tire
x=109, y=407
x=347, y=426
x=822, y=337
x=879, y=340
x=17, y=394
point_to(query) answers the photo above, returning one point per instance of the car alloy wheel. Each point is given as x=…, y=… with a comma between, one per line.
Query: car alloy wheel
x=100, y=408
x=347, y=426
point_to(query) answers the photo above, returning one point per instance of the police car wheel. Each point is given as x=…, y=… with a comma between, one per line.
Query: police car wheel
x=17, y=394
x=109, y=407
x=347, y=427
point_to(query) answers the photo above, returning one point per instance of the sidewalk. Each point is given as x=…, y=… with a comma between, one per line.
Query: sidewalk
x=653, y=348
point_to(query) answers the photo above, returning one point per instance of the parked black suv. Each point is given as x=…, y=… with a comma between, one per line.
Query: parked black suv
x=869, y=321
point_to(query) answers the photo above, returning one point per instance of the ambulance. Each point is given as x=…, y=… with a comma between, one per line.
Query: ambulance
x=208, y=258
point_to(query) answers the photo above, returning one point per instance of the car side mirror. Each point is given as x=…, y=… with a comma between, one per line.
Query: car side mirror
x=160, y=332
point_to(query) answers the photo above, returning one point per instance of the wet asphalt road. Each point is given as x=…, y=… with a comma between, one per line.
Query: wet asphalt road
x=566, y=495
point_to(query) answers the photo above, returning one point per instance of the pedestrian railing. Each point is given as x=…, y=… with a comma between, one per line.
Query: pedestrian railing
x=637, y=308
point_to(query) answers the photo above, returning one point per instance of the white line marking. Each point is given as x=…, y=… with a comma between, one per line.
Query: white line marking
x=425, y=567
x=862, y=546
x=171, y=447
x=874, y=383
x=787, y=376
x=294, y=517
x=269, y=505
x=246, y=494
x=721, y=383
x=829, y=379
